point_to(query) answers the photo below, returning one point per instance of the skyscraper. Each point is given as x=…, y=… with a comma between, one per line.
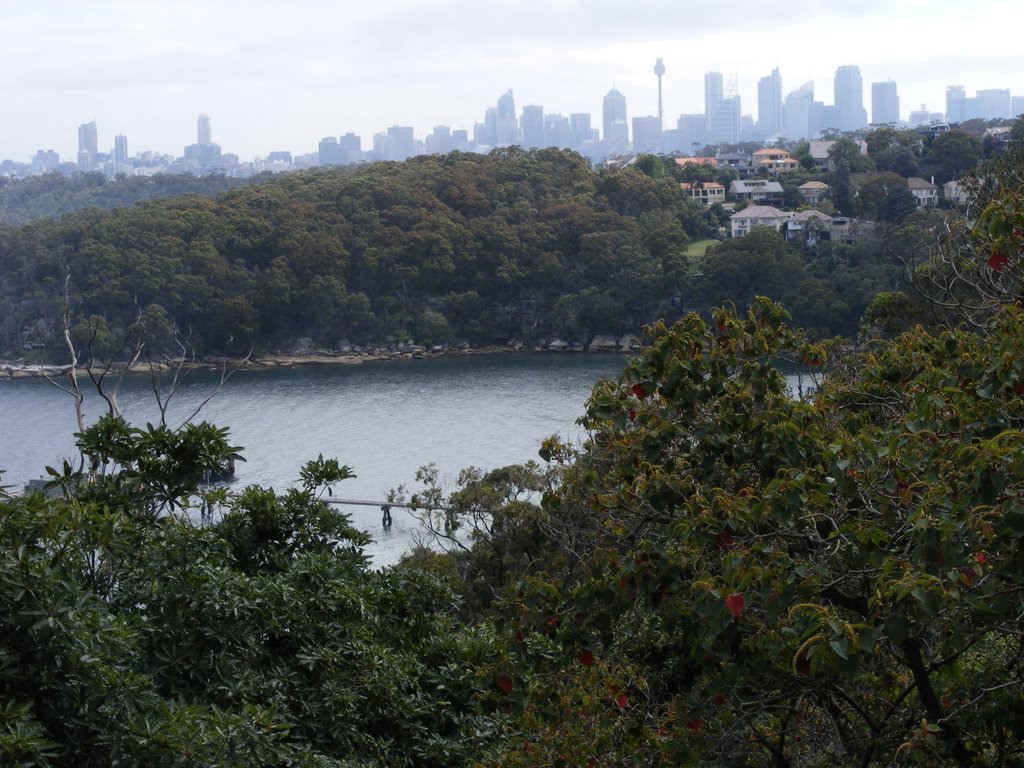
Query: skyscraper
x=506, y=125
x=579, y=129
x=616, y=129
x=885, y=103
x=726, y=121
x=994, y=103
x=714, y=90
x=956, y=97
x=849, y=99
x=120, y=149
x=203, y=130
x=770, y=120
x=87, y=141
x=646, y=134
x=531, y=126
x=799, y=108
x=87, y=146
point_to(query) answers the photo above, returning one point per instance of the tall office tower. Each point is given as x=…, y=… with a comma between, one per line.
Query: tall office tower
x=799, y=108
x=770, y=118
x=556, y=131
x=994, y=103
x=849, y=99
x=616, y=129
x=403, y=145
x=120, y=149
x=328, y=152
x=531, y=126
x=885, y=103
x=956, y=98
x=693, y=131
x=714, y=90
x=506, y=125
x=659, y=70
x=726, y=121
x=1017, y=106
x=203, y=130
x=87, y=146
x=87, y=141
x=647, y=134
x=579, y=129
x=460, y=140
x=920, y=116
x=440, y=141
x=351, y=147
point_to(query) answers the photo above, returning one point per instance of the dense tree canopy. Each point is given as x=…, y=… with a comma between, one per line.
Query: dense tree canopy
x=726, y=573
x=515, y=244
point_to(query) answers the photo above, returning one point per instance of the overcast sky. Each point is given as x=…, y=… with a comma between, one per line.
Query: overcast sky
x=276, y=75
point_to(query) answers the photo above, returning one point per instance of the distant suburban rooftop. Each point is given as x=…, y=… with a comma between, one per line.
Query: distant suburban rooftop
x=760, y=212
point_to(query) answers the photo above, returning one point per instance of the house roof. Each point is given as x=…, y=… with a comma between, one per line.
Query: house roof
x=812, y=215
x=813, y=185
x=714, y=185
x=696, y=160
x=760, y=212
x=916, y=182
x=755, y=185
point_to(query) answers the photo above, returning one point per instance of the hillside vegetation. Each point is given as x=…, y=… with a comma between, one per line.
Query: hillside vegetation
x=512, y=245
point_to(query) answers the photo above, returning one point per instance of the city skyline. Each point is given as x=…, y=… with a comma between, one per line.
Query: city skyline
x=275, y=80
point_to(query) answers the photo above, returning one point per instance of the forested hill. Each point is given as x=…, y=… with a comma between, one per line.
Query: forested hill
x=515, y=244
x=51, y=195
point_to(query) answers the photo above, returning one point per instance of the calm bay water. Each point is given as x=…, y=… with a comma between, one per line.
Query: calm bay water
x=384, y=420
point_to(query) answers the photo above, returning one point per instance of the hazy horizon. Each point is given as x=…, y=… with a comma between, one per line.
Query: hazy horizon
x=280, y=77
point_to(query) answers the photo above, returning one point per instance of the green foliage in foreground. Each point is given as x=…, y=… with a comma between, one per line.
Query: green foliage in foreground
x=258, y=640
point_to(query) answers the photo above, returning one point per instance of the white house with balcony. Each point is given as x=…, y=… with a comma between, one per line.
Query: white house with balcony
x=757, y=216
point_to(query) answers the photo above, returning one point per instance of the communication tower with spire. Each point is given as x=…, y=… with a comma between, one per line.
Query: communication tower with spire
x=659, y=70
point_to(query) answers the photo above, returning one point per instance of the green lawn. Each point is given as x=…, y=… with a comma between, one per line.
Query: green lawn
x=697, y=247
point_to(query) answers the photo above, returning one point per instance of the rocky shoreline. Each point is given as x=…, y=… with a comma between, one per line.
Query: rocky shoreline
x=307, y=355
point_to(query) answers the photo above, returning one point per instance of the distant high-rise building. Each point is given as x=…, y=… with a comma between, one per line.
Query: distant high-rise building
x=850, y=114
x=87, y=146
x=920, y=116
x=616, y=129
x=203, y=130
x=994, y=104
x=403, y=145
x=799, y=108
x=823, y=117
x=506, y=125
x=460, y=140
x=1017, y=106
x=693, y=134
x=714, y=92
x=120, y=149
x=556, y=131
x=956, y=98
x=351, y=147
x=579, y=129
x=440, y=141
x=531, y=126
x=726, y=121
x=45, y=161
x=885, y=103
x=770, y=116
x=647, y=134
x=329, y=152
x=87, y=141
x=659, y=70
